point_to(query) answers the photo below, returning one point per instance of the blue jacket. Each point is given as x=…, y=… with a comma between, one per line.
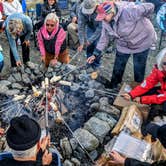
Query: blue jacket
x=88, y=20
x=27, y=30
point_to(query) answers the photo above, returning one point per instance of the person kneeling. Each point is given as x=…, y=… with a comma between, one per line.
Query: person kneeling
x=52, y=41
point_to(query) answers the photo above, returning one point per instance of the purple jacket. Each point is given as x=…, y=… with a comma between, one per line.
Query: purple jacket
x=132, y=29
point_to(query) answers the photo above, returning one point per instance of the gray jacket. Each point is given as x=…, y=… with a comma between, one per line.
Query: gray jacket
x=88, y=20
x=132, y=29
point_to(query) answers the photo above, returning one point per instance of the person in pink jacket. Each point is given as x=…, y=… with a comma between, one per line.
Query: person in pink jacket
x=52, y=41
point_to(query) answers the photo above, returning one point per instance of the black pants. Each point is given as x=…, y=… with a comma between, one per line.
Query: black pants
x=25, y=52
x=139, y=62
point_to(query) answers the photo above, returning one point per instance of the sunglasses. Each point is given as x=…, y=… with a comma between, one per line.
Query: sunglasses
x=50, y=25
x=164, y=63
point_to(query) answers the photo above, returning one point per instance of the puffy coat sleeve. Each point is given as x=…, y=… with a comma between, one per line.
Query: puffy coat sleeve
x=146, y=85
x=136, y=12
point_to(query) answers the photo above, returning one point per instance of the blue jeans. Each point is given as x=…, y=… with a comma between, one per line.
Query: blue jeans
x=1, y=65
x=139, y=62
x=91, y=47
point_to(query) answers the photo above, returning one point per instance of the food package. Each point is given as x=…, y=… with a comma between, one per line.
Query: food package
x=130, y=146
x=158, y=151
x=131, y=120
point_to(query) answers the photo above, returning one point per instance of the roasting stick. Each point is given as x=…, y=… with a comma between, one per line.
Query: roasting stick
x=60, y=119
x=46, y=106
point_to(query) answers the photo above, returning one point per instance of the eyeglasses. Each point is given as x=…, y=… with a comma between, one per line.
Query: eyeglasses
x=50, y=25
x=164, y=63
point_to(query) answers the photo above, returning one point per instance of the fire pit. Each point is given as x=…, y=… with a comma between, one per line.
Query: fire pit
x=76, y=94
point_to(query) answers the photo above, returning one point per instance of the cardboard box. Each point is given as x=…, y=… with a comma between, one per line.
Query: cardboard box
x=120, y=102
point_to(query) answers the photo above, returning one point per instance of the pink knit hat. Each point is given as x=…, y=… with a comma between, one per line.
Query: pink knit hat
x=105, y=9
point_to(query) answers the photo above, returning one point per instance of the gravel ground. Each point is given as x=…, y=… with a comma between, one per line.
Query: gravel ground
x=107, y=60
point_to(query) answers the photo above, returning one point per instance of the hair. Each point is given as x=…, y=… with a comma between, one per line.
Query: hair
x=51, y=16
x=24, y=153
x=160, y=58
x=14, y=25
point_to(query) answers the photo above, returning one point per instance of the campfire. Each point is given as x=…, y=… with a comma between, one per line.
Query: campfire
x=71, y=95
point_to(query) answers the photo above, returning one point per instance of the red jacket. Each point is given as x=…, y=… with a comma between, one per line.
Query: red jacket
x=153, y=79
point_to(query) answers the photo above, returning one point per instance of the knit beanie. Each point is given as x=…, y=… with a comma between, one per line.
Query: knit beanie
x=23, y=133
x=104, y=9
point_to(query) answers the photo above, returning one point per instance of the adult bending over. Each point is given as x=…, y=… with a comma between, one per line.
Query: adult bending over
x=18, y=25
x=133, y=32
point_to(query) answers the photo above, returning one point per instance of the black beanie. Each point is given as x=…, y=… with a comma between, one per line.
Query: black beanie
x=23, y=133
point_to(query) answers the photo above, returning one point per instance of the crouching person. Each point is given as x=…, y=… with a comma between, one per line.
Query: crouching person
x=52, y=41
x=147, y=92
x=23, y=139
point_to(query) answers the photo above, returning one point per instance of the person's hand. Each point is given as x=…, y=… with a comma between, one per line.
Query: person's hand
x=27, y=43
x=91, y=59
x=43, y=58
x=126, y=96
x=47, y=158
x=80, y=48
x=116, y=158
x=44, y=143
x=1, y=131
x=18, y=63
x=74, y=19
x=53, y=62
x=137, y=100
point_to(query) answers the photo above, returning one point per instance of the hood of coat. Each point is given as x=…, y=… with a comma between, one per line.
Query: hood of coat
x=160, y=57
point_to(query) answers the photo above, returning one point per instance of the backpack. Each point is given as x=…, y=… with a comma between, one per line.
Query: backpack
x=161, y=17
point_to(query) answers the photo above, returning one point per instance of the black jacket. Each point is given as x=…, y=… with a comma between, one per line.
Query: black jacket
x=46, y=9
x=133, y=162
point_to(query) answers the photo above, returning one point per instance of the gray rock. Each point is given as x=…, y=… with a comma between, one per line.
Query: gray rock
x=111, y=110
x=89, y=141
x=37, y=71
x=94, y=84
x=83, y=77
x=3, y=89
x=103, y=101
x=31, y=65
x=107, y=118
x=28, y=71
x=12, y=92
x=33, y=77
x=73, y=143
x=58, y=65
x=75, y=161
x=26, y=79
x=68, y=163
x=66, y=147
x=17, y=77
x=94, y=154
x=11, y=79
x=83, y=72
x=95, y=106
x=97, y=127
x=70, y=78
x=89, y=94
x=5, y=82
x=74, y=87
x=50, y=69
x=17, y=86
x=71, y=67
